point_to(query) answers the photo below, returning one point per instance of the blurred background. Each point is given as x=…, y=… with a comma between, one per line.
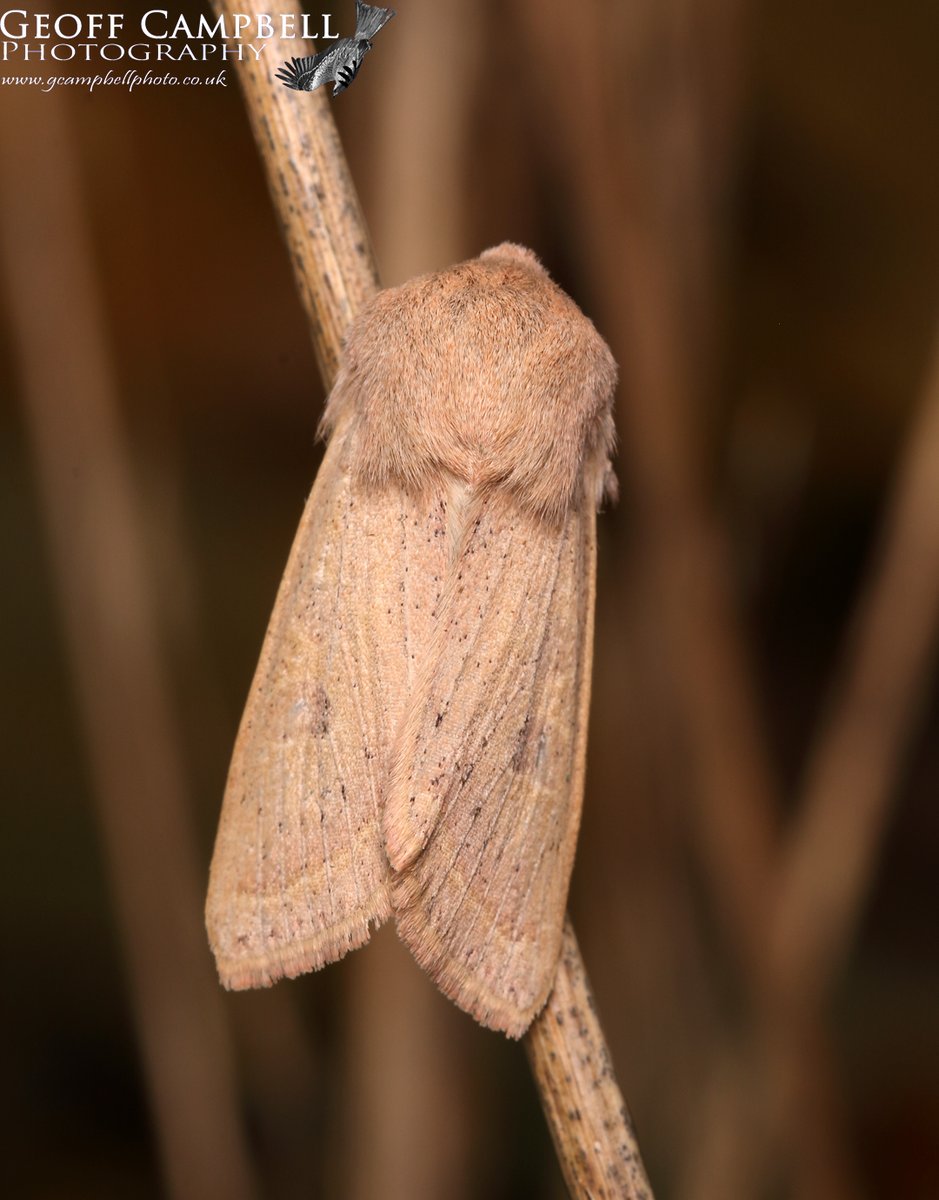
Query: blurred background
x=744, y=199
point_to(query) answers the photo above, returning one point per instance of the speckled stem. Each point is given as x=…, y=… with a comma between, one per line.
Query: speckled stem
x=336, y=273
x=312, y=189
x=585, y=1110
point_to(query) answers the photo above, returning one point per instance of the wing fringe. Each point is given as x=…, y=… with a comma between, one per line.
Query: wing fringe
x=299, y=957
x=486, y=1005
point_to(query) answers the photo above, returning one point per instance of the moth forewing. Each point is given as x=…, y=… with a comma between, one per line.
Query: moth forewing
x=484, y=803
x=299, y=872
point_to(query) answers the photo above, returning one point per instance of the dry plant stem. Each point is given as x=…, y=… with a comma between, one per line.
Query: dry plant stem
x=89, y=508
x=405, y=1073
x=830, y=856
x=312, y=189
x=584, y=1107
x=330, y=251
x=418, y=156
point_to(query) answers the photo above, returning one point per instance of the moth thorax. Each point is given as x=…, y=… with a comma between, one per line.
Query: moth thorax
x=487, y=373
x=488, y=417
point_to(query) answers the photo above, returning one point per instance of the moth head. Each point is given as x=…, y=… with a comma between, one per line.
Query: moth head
x=486, y=372
x=513, y=252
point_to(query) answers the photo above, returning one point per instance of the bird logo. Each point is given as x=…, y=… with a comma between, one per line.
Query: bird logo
x=341, y=63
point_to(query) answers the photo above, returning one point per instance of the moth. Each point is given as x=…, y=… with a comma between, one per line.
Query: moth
x=340, y=64
x=413, y=743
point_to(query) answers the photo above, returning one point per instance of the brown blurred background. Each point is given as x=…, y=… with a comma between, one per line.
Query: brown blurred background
x=744, y=198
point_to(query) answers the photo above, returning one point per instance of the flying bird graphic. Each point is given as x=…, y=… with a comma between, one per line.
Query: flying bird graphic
x=341, y=63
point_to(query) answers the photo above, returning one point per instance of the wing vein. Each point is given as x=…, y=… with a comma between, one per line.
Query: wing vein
x=520, y=826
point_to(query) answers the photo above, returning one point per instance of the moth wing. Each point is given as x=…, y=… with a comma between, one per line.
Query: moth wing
x=299, y=872
x=488, y=771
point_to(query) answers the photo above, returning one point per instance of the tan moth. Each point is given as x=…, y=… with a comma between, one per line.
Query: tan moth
x=414, y=739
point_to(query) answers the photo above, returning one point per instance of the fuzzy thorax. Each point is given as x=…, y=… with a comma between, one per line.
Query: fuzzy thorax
x=486, y=372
